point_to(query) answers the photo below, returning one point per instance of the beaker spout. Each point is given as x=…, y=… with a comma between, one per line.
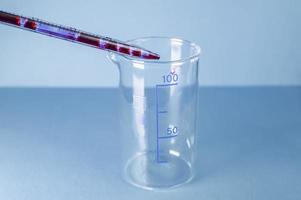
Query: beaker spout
x=113, y=58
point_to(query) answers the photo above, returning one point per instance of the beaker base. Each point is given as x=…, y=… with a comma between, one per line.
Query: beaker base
x=146, y=172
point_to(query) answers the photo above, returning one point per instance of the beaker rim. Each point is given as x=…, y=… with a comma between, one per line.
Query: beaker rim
x=196, y=54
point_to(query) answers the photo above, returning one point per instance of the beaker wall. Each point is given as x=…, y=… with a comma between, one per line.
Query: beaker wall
x=158, y=113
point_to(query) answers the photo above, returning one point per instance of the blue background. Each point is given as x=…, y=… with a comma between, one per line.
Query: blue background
x=60, y=141
x=249, y=42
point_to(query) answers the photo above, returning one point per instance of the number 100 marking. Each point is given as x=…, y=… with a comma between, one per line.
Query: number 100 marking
x=170, y=78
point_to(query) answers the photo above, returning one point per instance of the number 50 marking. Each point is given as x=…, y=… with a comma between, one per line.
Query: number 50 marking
x=172, y=131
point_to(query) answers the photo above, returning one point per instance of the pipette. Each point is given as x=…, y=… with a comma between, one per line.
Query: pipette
x=74, y=35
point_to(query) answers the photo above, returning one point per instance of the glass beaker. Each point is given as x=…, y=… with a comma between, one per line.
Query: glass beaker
x=159, y=113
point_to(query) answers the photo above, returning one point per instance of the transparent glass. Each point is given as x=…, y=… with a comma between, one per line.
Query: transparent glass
x=159, y=113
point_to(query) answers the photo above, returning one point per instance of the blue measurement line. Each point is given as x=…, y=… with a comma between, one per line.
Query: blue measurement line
x=167, y=85
x=163, y=111
x=166, y=137
x=157, y=119
x=162, y=161
x=157, y=123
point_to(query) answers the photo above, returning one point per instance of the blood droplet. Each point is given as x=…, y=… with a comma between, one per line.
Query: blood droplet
x=124, y=50
x=10, y=19
x=30, y=24
x=136, y=53
x=88, y=39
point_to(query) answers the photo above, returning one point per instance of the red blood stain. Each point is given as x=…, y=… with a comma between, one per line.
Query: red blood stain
x=88, y=39
x=111, y=46
x=124, y=50
x=30, y=24
x=136, y=53
x=10, y=19
x=150, y=56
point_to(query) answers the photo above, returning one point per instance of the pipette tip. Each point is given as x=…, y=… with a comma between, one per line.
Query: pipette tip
x=152, y=56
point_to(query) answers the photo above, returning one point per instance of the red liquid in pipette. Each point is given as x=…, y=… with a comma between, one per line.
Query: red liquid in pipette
x=75, y=35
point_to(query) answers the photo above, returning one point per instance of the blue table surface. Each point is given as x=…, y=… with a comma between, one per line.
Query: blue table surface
x=64, y=144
